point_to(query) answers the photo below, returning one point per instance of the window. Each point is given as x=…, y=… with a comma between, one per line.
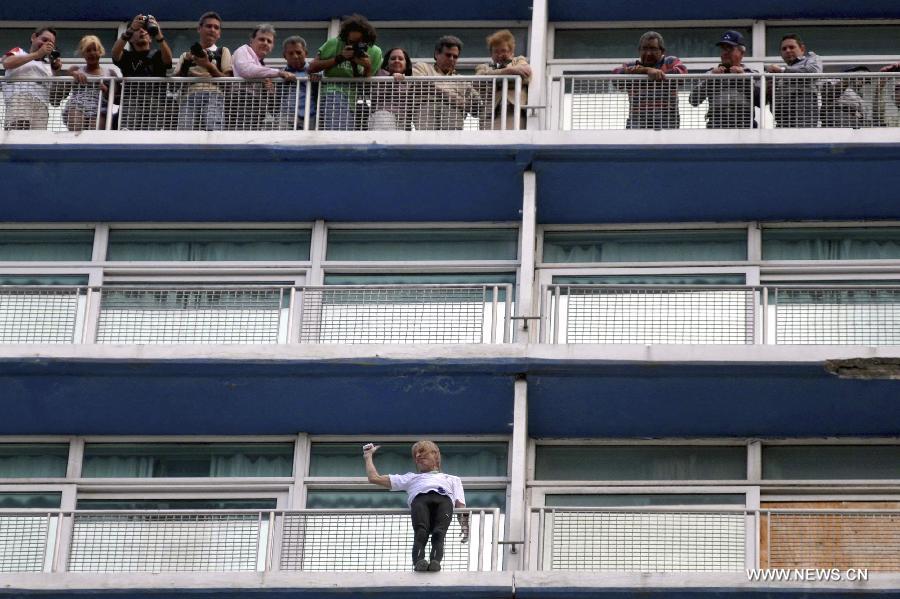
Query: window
x=117, y=460
x=622, y=43
x=422, y=244
x=208, y=245
x=419, y=41
x=837, y=39
x=19, y=460
x=46, y=245
x=860, y=243
x=645, y=246
x=804, y=462
x=461, y=459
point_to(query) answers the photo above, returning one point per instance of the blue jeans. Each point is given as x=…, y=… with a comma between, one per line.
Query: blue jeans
x=202, y=111
x=335, y=113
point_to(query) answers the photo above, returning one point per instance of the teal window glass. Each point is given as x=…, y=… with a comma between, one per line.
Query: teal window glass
x=586, y=462
x=176, y=504
x=43, y=280
x=623, y=43
x=636, y=279
x=645, y=246
x=422, y=244
x=20, y=460
x=643, y=500
x=208, y=245
x=831, y=244
x=14, y=501
x=821, y=462
x=119, y=460
x=66, y=38
x=837, y=39
x=461, y=459
x=49, y=245
x=327, y=499
x=419, y=41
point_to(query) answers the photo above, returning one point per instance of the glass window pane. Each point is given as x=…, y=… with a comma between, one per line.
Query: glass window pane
x=49, y=245
x=176, y=504
x=646, y=500
x=802, y=462
x=115, y=460
x=838, y=39
x=43, y=280
x=622, y=43
x=645, y=246
x=566, y=462
x=208, y=245
x=325, y=499
x=831, y=244
x=19, y=460
x=419, y=41
x=422, y=244
x=461, y=459
x=13, y=501
x=66, y=39
x=698, y=279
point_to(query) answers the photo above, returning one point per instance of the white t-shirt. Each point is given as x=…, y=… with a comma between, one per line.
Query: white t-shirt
x=31, y=69
x=416, y=483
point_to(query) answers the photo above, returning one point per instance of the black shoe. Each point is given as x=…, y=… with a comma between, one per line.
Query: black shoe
x=423, y=566
x=434, y=566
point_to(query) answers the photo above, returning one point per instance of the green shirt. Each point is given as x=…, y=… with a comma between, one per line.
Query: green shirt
x=334, y=46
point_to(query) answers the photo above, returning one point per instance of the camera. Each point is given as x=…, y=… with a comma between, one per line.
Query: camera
x=53, y=55
x=150, y=25
x=500, y=65
x=360, y=49
x=199, y=51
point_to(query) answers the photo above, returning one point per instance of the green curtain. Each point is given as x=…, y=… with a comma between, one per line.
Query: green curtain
x=422, y=244
x=202, y=245
x=46, y=245
x=645, y=246
x=33, y=461
x=831, y=244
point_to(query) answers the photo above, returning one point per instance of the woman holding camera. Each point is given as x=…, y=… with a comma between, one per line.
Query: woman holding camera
x=88, y=105
x=504, y=61
x=351, y=54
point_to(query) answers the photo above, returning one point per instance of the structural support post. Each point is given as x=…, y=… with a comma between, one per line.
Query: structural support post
x=525, y=330
x=514, y=558
x=537, y=58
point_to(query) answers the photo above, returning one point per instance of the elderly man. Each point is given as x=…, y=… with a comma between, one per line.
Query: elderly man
x=293, y=103
x=502, y=46
x=445, y=105
x=795, y=101
x=203, y=106
x=653, y=104
x=731, y=100
x=27, y=101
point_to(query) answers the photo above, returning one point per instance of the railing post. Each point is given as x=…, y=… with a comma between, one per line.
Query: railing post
x=495, y=538
x=109, y=104
x=93, y=299
x=307, y=103
x=504, y=100
x=764, y=122
x=479, y=564
x=517, y=105
x=507, y=314
x=293, y=329
x=495, y=292
x=64, y=532
x=765, y=315
x=556, y=327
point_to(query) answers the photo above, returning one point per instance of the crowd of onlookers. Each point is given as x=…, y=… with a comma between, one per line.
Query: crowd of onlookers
x=143, y=51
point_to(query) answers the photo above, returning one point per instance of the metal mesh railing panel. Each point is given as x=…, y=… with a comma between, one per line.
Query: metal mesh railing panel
x=869, y=316
x=189, y=316
x=23, y=542
x=164, y=543
x=364, y=542
x=633, y=315
x=422, y=104
x=35, y=315
x=53, y=104
x=395, y=315
x=647, y=542
x=835, y=540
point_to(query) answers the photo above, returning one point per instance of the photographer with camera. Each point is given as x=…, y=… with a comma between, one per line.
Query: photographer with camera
x=27, y=101
x=502, y=46
x=203, y=103
x=140, y=60
x=886, y=107
x=731, y=100
x=352, y=54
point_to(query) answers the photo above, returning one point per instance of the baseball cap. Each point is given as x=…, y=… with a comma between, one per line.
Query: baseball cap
x=732, y=38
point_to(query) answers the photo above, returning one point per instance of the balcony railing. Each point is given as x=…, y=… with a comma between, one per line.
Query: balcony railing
x=689, y=539
x=234, y=541
x=347, y=314
x=718, y=314
x=230, y=104
x=851, y=100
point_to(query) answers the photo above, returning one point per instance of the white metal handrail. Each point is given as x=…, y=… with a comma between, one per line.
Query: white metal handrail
x=704, y=539
x=235, y=540
x=341, y=314
x=234, y=104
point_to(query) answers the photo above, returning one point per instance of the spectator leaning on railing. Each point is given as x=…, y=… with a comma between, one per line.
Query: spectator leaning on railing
x=887, y=100
x=431, y=496
x=731, y=100
x=502, y=46
x=250, y=103
x=445, y=105
x=293, y=103
x=27, y=102
x=81, y=111
x=795, y=101
x=352, y=54
x=653, y=104
x=392, y=102
x=203, y=104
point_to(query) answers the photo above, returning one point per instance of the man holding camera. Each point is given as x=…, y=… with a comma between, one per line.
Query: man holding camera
x=140, y=60
x=203, y=104
x=732, y=99
x=352, y=54
x=27, y=101
x=502, y=46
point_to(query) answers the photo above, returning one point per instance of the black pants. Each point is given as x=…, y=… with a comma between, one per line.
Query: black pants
x=431, y=514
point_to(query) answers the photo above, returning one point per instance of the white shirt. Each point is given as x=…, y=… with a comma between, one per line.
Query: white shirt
x=32, y=69
x=246, y=64
x=416, y=483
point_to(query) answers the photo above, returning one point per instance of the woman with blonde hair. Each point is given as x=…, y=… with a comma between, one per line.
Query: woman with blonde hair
x=502, y=46
x=87, y=106
x=431, y=496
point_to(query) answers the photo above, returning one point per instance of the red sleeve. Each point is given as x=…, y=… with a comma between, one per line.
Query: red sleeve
x=13, y=52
